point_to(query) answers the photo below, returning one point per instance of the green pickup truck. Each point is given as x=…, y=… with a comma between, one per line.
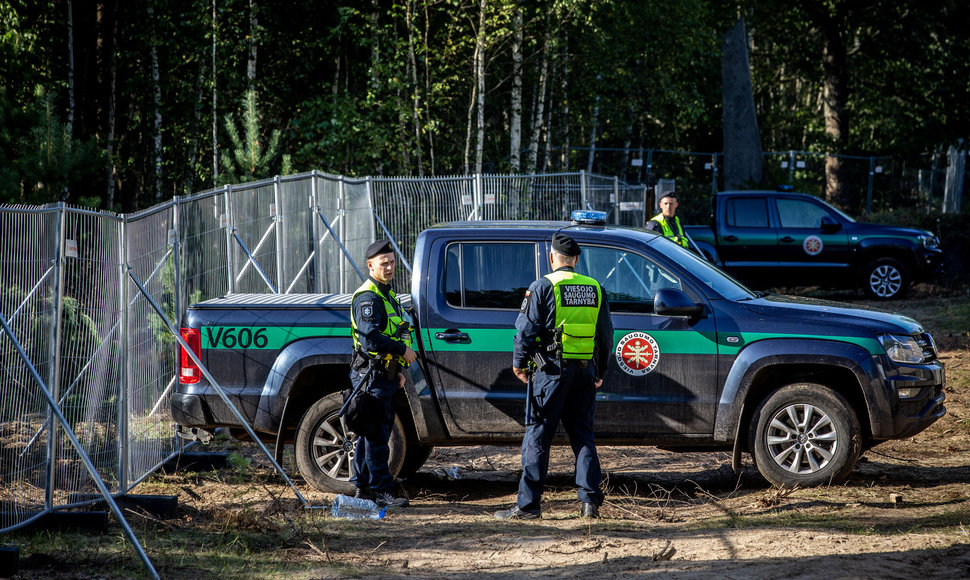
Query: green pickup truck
x=780, y=238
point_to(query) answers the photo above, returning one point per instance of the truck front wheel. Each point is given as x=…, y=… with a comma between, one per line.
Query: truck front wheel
x=325, y=447
x=885, y=279
x=805, y=434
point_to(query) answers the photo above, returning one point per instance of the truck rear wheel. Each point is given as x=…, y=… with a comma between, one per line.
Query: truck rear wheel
x=885, y=279
x=805, y=434
x=325, y=447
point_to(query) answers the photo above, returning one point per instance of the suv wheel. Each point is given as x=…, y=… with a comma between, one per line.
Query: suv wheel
x=885, y=279
x=805, y=434
x=325, y=447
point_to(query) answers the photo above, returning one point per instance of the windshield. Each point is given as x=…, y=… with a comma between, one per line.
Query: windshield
x=704, y=271
x=836, y=210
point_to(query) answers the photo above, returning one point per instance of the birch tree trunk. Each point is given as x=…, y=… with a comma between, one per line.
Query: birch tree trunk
x=539, y=116
x=253, y=31
x=416, y=100
x=215, y=99
x=593, y=129
x=70, y=87
x=564, y=161
x=515, y=121
x=112, y=170
x=480, y=79
x=157, y=84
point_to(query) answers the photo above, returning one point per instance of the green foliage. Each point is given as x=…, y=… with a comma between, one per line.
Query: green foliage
x=249, y=160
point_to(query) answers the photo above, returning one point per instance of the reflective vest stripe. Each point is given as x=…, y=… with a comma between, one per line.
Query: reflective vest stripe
x=578, y=302
x=679, y=237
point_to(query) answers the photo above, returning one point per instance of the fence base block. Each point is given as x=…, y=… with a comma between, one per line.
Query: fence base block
x=197, y=461
x=9, y=561
x=92, y=521
x=157, y=506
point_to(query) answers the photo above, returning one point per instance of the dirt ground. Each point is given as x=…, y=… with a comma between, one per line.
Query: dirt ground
x=903, y=513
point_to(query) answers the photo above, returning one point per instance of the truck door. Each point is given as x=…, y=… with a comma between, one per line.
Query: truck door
x=468, y=329
x=662, y=377
x=812, y=241
x=746, y=240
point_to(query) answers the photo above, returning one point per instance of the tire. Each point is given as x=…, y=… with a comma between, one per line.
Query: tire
x=806, y=435
x=885, y=279
x=416, y=456
x=325, y=447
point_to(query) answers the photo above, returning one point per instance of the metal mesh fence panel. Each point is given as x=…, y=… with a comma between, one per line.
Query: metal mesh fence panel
x=29, y=275
x=151, y=348
x=295, y=237
x=202, y=247
x=89, y=391
x=252, y=217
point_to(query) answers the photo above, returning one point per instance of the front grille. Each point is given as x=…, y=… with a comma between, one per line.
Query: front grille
x=925, y=341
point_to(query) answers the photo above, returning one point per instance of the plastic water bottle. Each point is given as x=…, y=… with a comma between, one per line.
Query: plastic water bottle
x=354, y=508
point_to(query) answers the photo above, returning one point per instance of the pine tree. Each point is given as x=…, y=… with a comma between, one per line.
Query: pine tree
x=248, y=160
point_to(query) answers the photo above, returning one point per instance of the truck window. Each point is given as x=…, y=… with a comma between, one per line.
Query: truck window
x=489, y=275
x=629, y=279
x=799, y=213
x=746, y=212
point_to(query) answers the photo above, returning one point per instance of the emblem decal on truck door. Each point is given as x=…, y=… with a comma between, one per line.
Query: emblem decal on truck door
x=637, y=353
x=812, y=245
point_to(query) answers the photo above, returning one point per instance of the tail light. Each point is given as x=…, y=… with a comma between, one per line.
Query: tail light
x=189, y=371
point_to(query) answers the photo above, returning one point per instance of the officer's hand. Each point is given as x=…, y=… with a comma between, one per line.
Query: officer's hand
x=598, y=383
x=522, y=374
x=400, y=380
x=409, y=355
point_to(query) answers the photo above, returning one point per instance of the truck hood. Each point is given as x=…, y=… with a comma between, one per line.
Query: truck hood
x=869, y=229
x=833, y=314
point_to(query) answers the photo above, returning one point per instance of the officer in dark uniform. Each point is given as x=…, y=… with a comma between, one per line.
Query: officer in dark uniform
x=382, y=349
x=666, y=222
x=566, y=335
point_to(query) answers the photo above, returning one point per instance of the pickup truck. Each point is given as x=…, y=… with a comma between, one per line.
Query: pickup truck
x=700, y=362
x=779, y=238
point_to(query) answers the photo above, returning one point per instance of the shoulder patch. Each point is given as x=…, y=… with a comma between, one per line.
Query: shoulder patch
x=525, y=301
x=367, y=310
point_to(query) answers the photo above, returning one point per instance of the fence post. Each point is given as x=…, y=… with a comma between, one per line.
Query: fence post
x=616, y=200
x=872, y=173
x=123, y=341
x=315, y=232
x=714, y=175
x=54, y=381
x=227, y=225
x=582, y=193
x=278, y=219
x=791, y=167
x=478, y=197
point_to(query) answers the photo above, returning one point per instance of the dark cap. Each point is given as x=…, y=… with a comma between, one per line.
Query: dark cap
x=565, y=245
x=668, y=194
x=377, y=248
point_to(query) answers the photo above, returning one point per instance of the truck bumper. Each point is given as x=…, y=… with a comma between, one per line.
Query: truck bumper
x=190, y=410
x=915, y=414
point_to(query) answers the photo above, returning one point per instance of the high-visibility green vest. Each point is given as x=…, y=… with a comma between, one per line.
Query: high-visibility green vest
x=395, y=320
x=578, y=302
x=679, y=237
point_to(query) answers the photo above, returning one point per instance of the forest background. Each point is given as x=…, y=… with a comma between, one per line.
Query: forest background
x=119, y=105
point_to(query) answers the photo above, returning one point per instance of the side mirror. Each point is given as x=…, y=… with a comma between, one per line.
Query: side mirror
x=673, y=302
x=830, y=225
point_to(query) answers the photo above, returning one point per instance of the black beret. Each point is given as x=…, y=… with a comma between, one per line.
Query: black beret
x=377, y=248
x=668, y=194
x=565, y=245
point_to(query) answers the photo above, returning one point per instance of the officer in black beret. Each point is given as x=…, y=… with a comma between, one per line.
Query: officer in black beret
x=382, y=349
x=562, y=346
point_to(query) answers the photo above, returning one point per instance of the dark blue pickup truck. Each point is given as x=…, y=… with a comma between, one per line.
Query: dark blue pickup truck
x=700, y=362
x=771, y=239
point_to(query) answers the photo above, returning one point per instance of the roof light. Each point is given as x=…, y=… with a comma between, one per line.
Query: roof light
x=589, y=217
x=786, y=188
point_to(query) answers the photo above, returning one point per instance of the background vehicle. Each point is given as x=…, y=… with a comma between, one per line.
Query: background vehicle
x=700, y=362
x=772, y=238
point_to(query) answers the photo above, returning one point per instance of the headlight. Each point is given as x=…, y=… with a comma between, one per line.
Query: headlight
x=929, y=242
x=902, y=349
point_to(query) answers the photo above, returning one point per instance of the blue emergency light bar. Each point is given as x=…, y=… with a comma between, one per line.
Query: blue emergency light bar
x=589, y=217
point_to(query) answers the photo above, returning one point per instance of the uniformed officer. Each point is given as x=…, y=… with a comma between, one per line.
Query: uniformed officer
x=565, y=319
x=382, y=349
x=666, y=222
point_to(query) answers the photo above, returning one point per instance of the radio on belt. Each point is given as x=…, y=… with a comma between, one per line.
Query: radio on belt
x=589, y=217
